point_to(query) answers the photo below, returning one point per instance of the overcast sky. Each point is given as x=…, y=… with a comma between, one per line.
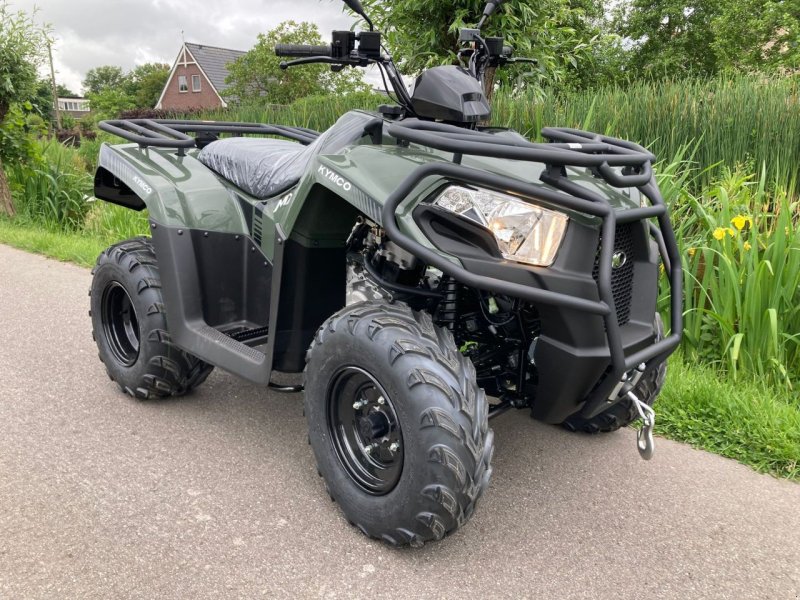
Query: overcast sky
x=126, y=33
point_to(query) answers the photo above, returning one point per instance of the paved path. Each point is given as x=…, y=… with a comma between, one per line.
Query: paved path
x=216, y=495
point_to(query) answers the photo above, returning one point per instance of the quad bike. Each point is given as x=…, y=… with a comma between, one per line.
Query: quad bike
x=410, y=262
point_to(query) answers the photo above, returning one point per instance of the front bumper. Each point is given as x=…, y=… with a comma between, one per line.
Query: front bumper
x=583, y=351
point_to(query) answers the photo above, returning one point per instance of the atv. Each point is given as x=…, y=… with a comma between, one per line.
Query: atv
x=412, y=262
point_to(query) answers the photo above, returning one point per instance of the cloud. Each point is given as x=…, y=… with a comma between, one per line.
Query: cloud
x=126, y=33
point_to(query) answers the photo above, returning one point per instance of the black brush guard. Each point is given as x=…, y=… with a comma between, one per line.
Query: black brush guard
x=621, y=163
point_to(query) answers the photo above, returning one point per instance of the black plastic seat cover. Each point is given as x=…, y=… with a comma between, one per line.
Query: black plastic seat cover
x=264, y=167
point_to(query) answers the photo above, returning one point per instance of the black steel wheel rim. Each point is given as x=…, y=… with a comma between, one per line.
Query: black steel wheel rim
x=120, y=324
x=364, y=430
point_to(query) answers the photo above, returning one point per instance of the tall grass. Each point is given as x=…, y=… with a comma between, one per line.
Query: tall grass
x=315, y=112
x=111, y=223
x=750, y=120
x=53, y=191
x=741, y=251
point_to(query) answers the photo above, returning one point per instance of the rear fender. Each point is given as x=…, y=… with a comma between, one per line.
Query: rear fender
x=178, y=191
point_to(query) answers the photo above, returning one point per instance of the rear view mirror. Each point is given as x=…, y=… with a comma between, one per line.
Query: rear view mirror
x=355, y=6
x=491, y=7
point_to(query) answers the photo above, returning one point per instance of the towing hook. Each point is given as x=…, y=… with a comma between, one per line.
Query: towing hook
x=645, y=442
x=644, y=437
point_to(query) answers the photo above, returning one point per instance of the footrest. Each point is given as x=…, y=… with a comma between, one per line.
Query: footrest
x=247, y=335
x=211, y=345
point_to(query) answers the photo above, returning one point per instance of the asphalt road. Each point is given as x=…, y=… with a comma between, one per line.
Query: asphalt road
x=216, y=495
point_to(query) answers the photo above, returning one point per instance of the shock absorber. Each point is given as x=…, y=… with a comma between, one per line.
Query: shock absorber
x=448, y=308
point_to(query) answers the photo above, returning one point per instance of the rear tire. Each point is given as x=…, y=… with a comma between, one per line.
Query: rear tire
x=130, y=328
x=623, y=413
x=419, y=397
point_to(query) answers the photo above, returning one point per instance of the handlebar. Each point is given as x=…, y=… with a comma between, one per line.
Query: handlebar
x=301, y=50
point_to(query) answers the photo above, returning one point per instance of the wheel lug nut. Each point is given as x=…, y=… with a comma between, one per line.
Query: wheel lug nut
x=394, y=447
x=381, y=400
x=360, y=404
x=369, y=449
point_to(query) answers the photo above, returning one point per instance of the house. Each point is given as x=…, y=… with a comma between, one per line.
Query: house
x=75, y=107
x=197, y=79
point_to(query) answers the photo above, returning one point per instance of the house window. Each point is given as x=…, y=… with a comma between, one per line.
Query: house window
x=195, y=83
x=182, y=85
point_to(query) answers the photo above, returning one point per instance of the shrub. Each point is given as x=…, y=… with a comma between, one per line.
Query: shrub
x=54, y=190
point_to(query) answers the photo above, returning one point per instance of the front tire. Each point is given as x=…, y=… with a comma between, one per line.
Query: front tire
x=383, y=377
x=130, y=328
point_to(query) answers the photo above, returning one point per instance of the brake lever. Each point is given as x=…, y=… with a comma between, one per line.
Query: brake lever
x=360, y=62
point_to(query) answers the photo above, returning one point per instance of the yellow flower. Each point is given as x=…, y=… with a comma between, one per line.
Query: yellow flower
x=692, y=251
x=747, y=246
x=721, y=232
x=740, y=221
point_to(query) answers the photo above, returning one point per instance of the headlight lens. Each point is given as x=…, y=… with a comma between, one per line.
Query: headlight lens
x=524, y=232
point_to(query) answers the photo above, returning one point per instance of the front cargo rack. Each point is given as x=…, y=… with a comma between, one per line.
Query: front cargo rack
x=173, y=133
x=621, y=163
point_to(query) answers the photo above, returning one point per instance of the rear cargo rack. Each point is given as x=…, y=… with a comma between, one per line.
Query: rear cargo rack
x=173, y=133
x=621, y=163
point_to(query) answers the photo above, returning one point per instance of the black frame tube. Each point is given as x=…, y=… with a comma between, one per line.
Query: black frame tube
x=172, y=133
x=568, y=147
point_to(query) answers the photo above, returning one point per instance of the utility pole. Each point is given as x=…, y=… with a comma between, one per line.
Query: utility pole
x=53, y=82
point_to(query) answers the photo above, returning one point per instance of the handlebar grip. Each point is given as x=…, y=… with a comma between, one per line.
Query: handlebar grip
x=301, y=50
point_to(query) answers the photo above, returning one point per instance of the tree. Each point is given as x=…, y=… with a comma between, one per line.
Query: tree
x=257, y=75
x=669, y=36
x=64, y=92
x=758, y=34
x=109, y=103
x=42, y=99
x=103, y=78
x=146, y=82
x=558, y=33
x=140, y=88
x=705, y=37
x=22, y=48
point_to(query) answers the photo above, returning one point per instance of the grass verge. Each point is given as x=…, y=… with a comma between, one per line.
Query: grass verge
x=754, y=423
x=77, y=248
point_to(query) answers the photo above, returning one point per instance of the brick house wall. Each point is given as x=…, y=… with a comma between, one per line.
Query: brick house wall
x=174, y=99
x=205, y=69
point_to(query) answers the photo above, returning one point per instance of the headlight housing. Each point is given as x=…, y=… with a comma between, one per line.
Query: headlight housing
x=524, y=232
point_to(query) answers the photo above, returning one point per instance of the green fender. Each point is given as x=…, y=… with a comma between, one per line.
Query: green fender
x=178, y=191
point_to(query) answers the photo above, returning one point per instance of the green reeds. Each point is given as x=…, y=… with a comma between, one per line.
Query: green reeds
x=740, y=244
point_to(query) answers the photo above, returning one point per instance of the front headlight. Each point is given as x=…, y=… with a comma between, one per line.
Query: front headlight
x=524, y=232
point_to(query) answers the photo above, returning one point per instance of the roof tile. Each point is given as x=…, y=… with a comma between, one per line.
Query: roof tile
x=214, y=62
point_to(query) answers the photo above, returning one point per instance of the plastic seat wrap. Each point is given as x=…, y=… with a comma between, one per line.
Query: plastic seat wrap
x=264, y=167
